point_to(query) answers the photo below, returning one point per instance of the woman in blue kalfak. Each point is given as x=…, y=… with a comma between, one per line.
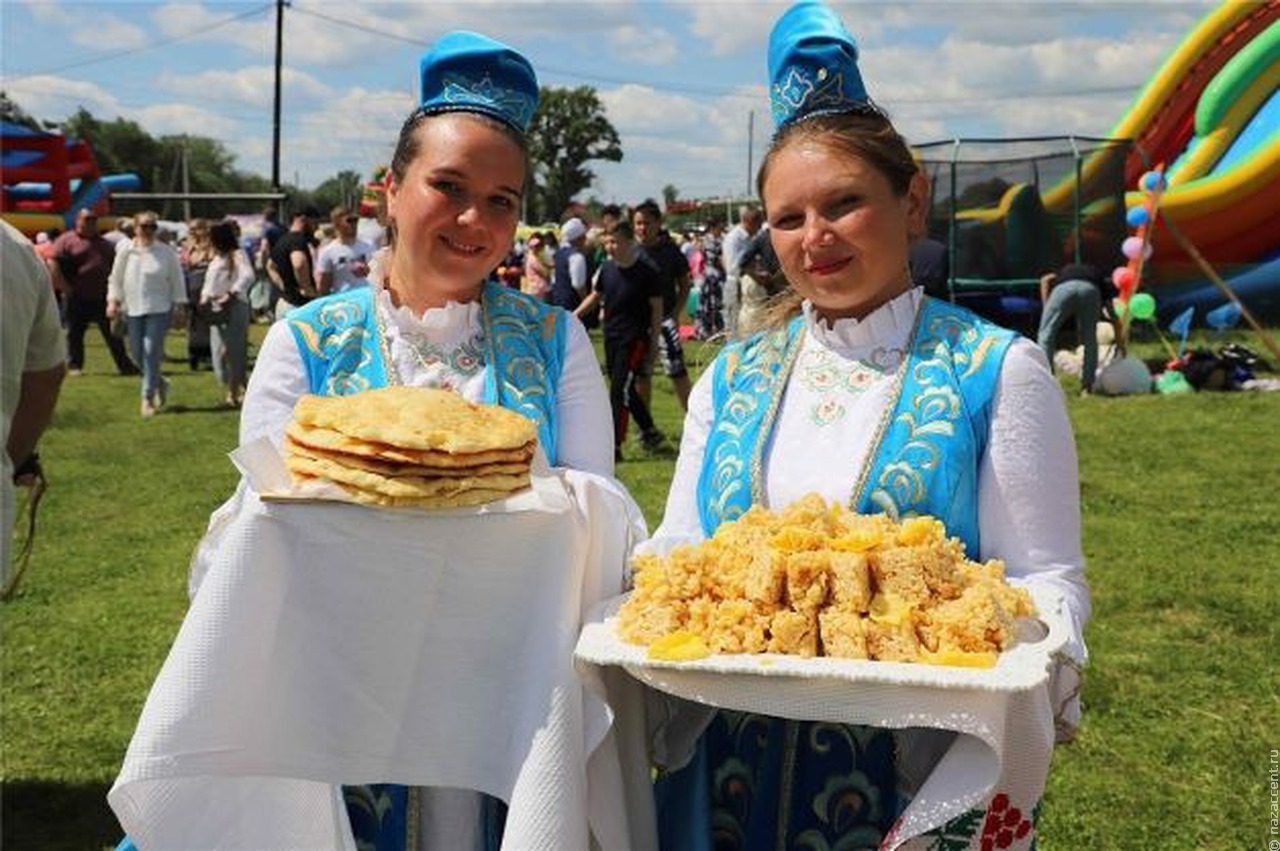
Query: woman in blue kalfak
x=828, y=399
x=431, y=319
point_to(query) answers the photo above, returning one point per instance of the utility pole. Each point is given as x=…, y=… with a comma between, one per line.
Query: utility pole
x=275, y=120
x=751, y=138
x=186, y=182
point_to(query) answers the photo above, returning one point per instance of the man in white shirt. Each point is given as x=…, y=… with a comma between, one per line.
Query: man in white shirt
x=569, y=270
x=735, y=245
x=344, y=262
x=33, y=357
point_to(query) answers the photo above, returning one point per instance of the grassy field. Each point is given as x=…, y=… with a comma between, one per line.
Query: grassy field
x=1180, y=500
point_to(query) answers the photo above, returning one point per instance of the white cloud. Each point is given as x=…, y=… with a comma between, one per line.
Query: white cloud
x=252, y=85
x=644, y=46
x=355, y=129
x=166, y=119
x=49, y=12
x=107, y=32
x=195, y=22
x=732, y=26
x=53, y=98
x=633, y=108
x=512, y=22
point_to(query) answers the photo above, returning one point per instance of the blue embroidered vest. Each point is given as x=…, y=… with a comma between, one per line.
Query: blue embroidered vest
x=925, y=461
x=344, y=351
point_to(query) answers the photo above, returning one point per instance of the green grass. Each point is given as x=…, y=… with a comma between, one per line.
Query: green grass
x=1179, y=497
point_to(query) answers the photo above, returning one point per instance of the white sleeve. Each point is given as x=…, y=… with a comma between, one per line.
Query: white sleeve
x=584, y=424
x=211, y=273
x=47, y=344
x=734, y=246
x=324, y=262
x=578, y=273
x=681, y=521
x=277, y=382
x=115, y=281
x=177, y=284
x=245, y=275
x=1029, y=498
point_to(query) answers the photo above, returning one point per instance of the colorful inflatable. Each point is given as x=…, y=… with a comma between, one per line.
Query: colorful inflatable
x=48, y=178
x=1211, y=118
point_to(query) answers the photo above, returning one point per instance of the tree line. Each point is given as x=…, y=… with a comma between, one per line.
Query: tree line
x=569, y=131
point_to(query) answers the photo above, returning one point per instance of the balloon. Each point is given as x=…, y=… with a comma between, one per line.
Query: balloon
x=1132, y=247
x=1173, y=381
x=1122, y=277
x=1137, y=216
x=1119, y=307
x=1151, y=181
x=1143, y=305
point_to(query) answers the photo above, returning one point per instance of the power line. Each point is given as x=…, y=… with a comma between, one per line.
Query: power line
x=107, y=57
x=663, y=85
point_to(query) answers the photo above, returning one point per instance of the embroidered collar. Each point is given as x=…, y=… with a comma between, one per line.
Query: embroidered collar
x=456, y=319
x=887, y=326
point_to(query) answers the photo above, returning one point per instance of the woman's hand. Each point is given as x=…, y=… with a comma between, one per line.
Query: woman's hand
x=113, y=308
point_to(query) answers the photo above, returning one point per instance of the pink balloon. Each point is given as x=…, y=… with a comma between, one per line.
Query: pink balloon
x=1122, y=277
x=1132, y=247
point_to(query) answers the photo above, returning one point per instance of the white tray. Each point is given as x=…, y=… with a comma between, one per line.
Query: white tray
x=742, y=680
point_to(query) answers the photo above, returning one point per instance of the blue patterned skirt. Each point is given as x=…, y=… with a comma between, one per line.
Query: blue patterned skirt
x=758, y=783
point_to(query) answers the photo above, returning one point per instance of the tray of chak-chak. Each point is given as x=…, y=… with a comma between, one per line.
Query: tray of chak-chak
x=404, y=447
x=820, y=597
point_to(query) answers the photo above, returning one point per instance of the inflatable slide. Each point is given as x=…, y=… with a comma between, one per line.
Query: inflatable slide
x=1211, y=117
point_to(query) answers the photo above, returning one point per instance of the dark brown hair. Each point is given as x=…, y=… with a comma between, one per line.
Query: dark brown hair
x=621, y=228
x=409, y=142
x=223, y=237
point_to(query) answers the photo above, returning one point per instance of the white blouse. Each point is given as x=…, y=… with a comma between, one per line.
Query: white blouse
x=227, y=277
x=146, y=279
x=840, y=387
x=442, y=348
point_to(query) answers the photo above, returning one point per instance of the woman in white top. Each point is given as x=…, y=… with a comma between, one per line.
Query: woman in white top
x=146, y=284
x=869, y=393
x=226, y=291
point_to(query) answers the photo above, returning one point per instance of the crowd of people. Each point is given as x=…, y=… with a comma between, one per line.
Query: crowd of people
x=839, y=376
x=139, y=281
x=144, y=278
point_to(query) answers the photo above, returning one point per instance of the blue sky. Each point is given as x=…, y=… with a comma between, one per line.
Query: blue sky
x=678, y=79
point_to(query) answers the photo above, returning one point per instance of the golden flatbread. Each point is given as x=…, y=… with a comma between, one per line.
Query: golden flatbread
x=418, y=418
x=405, y=487
x=388, y=468
x=329, y=440
x=475, y=496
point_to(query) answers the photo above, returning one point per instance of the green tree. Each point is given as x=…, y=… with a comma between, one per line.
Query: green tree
x=343, y=188
x=568, y=131
x=14, y=114
x=669, y=195
x=123, y=146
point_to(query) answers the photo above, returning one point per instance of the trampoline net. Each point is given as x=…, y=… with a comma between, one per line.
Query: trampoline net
x=1011, y=210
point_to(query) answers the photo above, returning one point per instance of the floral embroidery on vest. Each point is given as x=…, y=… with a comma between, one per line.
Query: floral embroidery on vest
x=342, y=344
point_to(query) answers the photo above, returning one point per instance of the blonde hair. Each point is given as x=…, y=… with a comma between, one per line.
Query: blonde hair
x=869, y=136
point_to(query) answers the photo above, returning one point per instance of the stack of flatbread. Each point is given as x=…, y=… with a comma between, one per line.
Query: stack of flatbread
x=410, y=446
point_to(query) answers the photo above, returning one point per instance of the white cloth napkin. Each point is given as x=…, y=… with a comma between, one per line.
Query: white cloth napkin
x=333, y=644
